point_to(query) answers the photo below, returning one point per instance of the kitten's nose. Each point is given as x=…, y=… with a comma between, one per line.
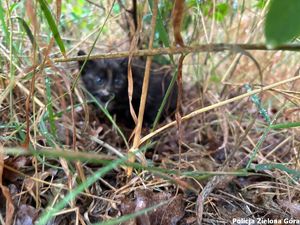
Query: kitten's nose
x=105, y=98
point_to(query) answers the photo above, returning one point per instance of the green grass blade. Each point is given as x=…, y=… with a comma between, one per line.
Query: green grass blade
x=13, y=6
x=3, y=23
x=44, y=131
x=100, y=160
x=50, y=106
x=27, y=30
x=285, y=125
x=262, y=167
x=162, y=105
x=52, y=25
x=258, y=145
x=50, y=212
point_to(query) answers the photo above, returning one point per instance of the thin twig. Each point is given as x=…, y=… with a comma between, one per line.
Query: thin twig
x=184, y=50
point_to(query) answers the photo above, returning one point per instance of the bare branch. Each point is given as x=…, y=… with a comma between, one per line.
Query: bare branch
x=185, y=50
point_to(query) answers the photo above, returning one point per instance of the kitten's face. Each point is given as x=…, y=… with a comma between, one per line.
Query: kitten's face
x=105, y=79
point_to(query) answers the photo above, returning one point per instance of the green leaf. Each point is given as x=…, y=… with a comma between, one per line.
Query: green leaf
x=285, y=125
x=221, y=11
x=27, y=30
x=282, y=22
x=116, y=8
x=161, y=31
x=13, y=6
x=262, y=167
x=214, y=78
x=52, y=25
x=78, y=10
x=3, y=23
x=260, y=4
x=160, y=27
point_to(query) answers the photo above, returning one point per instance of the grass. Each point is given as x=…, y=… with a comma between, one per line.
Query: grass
x=76, y=160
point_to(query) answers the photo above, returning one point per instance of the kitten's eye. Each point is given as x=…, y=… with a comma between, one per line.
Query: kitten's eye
x=99, y=80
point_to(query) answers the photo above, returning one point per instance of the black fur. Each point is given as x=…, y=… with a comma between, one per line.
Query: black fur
x=107, y=80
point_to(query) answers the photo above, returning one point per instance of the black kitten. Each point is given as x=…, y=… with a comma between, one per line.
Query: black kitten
x=106, y=79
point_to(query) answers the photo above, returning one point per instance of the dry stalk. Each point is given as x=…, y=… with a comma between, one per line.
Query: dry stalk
x=138, y=128
x=184, y=50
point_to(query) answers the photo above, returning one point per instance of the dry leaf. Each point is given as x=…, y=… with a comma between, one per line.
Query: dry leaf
x=177, y=18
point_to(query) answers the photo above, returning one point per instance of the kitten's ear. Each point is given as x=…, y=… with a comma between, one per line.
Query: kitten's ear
x=89, y=63
x=81, y=52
